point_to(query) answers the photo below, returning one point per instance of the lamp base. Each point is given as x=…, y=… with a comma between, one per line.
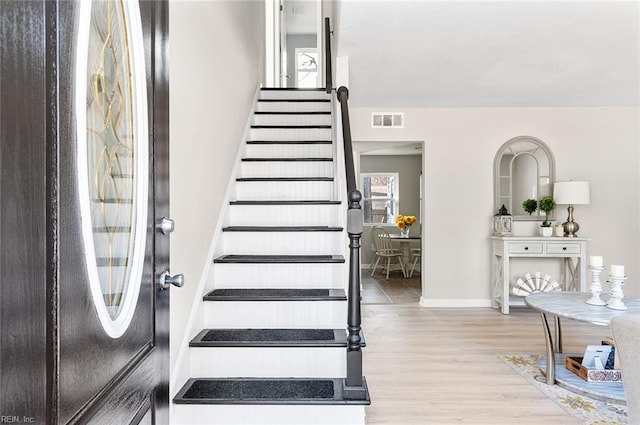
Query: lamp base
x=570, y=227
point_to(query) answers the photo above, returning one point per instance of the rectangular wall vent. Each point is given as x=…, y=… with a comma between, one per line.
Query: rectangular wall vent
x=387, y=120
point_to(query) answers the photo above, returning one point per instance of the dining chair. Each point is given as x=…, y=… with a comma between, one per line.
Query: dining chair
x=384, y=249
x=416, y=253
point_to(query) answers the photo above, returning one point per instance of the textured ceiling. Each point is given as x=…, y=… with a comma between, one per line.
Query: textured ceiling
x=490, y=54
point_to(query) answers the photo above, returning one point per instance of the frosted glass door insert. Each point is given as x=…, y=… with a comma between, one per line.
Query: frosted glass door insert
x=113, y=156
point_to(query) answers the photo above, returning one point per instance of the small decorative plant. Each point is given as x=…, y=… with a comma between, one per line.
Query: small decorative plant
x=403, y=221
x=530, y=205
x=546, y=204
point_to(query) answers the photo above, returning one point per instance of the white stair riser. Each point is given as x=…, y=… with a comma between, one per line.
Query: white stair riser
x=201, y=414
x=290, y=134
x=264, y=362
x=280, y=276
x=287, y=169
x=292, y=119
x=274, y=191
x=275, y=314
x=294, y=94
x=283, y=243
x=293, y=107
x=290, y=151
x=286, y=215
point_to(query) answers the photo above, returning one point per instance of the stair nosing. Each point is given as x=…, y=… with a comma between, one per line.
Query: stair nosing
x=291, y=127
x=295, y=100
x=294, y=89
x=284, y=179
x=289, y=142
x=292, y=113
x=285, y=202
x=339, y=335
x=334, y=295
x=337, y=399
x=282, y=229
x=287, y=159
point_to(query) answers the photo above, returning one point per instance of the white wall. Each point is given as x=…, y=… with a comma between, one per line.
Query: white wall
x=217, y=62
x=600, y=145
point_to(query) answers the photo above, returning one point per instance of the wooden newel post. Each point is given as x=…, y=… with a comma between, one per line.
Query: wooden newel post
x=354, y=385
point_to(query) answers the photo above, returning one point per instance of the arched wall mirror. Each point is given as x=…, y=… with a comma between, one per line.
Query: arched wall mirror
x=524, y=168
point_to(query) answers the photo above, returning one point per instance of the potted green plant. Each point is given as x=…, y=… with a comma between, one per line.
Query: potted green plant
x=530, y=205
x=546, y=204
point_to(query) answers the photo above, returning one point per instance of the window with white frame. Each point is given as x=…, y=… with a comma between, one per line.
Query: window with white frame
x=380, y=196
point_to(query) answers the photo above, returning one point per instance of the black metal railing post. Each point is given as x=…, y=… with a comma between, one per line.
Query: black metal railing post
x=327, y=55
x=354, y=386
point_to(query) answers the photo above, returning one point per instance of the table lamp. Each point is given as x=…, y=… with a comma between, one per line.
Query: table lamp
x=571, y=193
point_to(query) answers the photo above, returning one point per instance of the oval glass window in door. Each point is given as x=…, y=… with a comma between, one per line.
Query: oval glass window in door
x=113, y=162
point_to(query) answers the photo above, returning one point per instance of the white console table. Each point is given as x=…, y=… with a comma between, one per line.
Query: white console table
x=572, y=252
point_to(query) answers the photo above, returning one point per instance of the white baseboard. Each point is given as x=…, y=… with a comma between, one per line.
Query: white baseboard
x=450, y=302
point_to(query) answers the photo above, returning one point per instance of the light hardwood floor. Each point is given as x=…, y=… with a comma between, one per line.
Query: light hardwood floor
x=440, y=366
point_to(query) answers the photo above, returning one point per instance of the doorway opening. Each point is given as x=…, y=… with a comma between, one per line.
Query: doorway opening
x=293, y=43
x=390, y=177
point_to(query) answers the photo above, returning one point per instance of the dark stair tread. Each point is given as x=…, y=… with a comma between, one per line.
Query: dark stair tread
x=289, y=142
x=265, y=391
x=270, y=338
x=281, y=229
x=292, y=113
x=284, y=179
x=270, y=294
x=283, y=259
x=287, y=159
x=302, y=89
x=294, y=100
x=301, y=202
x=294, y=127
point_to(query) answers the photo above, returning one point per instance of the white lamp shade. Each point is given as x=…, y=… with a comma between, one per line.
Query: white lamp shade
x=574, y=193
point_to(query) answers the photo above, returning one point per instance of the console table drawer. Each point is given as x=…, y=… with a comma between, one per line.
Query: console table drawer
x=525, y=248
x=563, y=248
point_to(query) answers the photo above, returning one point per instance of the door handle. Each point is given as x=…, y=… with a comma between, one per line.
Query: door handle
x=165, y=279
x=165, y=225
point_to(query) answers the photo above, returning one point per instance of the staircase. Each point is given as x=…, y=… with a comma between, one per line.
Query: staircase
x=273, y=348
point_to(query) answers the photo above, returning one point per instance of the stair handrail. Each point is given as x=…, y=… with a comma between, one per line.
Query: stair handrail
x=327, y=54
x=353, y=385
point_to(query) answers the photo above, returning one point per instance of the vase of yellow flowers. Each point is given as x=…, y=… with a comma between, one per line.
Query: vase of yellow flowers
x=404, y=223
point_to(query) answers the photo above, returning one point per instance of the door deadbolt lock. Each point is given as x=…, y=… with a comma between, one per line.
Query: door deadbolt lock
x=165, y=225
x=165, y=279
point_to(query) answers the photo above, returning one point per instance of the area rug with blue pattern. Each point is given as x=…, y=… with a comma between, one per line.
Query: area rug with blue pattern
x=588, y=410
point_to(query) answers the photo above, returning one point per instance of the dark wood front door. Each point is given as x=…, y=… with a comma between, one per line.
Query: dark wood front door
x=84, y=326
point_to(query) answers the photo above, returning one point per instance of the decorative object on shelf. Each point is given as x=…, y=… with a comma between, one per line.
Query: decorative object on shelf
x=571, y=193
x=531, y=284
x=596, y=268
x=502, y=222
x=616, y=280
x=404, y=223
x=559, y=230
x=530, y=205
x=546, y=204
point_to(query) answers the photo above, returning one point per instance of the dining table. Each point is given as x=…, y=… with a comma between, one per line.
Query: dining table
x=405, y=246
